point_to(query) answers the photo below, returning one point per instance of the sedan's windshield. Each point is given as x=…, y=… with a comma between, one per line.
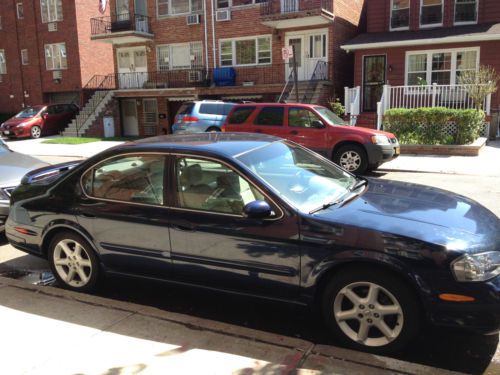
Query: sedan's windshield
x=29, y=112
x=300, y=177
x=330, y=116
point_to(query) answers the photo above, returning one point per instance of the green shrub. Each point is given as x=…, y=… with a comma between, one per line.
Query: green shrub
x=427, y=125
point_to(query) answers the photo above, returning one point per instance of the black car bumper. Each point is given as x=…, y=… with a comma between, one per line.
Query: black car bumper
x=378, y=154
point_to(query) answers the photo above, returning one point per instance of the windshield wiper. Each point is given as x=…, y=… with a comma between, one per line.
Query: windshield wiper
x=324, y=206
x=344, y=198
x=359, y=183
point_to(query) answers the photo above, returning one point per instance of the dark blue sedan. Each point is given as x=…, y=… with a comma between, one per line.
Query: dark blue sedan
x=257, y=215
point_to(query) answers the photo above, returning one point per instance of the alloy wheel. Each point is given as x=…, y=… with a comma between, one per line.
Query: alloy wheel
x=36, y=132
x=72, y=263
x=368, y=314
x=350, y=160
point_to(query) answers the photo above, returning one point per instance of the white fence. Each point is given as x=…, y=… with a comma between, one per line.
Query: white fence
x=352, y=101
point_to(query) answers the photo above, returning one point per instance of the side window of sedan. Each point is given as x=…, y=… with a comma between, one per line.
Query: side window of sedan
x=212, y=186
x=135, y=179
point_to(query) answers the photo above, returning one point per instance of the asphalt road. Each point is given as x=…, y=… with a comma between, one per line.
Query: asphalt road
x=446, y=348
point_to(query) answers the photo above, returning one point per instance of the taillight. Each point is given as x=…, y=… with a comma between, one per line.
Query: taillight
x=189, y=119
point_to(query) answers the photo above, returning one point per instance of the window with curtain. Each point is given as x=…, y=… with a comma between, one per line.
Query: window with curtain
x=52, y=10
x=431, y=12
x=400, y=14
x=466, y=11
x=247, y=51
x=55, y=56
x=180, y=56
x=185, y=6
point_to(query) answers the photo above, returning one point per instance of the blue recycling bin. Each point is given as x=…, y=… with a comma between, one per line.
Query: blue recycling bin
x=224, y=76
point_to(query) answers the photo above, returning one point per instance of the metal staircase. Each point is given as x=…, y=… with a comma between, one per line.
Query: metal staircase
x=101, y=91
x=308, y=91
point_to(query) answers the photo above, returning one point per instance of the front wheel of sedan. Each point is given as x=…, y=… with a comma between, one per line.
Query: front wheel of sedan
x=371, y=310
x=73, y=262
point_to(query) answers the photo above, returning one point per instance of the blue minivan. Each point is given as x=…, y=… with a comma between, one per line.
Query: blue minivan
x=201, y=116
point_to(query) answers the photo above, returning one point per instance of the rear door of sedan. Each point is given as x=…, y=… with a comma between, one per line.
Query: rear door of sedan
x=123, y=210
x=214, y=245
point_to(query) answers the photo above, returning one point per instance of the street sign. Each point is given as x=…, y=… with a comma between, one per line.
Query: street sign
x=287, y=52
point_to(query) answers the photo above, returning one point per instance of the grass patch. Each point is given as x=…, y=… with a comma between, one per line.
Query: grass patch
x=81, y=140
x=71, y=140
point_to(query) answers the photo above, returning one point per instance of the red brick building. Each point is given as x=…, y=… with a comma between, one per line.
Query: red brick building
x=418, y=49
x=170, y=51
x=45, y=52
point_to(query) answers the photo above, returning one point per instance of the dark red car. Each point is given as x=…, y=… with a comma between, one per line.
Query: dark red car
x=355, y=149
x=39, y=120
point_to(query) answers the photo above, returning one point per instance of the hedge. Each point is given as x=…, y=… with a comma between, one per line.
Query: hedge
x=427, y=125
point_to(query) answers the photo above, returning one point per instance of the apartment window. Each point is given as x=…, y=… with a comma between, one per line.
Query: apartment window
x=440, y=67
x=3, y=64
x=221, y=4
x=466, y=11
x=400, y=14
x=20, y=11
x=55, y=56
x=24, y=57
x=173, y=7
x=431, y=12
x=51, y=10
x=180, y=56
x=247, y=51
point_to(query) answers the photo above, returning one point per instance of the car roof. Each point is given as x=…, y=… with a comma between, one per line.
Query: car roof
x=278, y=105
x=222, y=144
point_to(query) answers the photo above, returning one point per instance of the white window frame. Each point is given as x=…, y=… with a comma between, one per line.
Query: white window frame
x=230, y=4
x=390, y=18
x=24, y=57
x=158, y=8
x=233, y=50
x=169, y=9
x=433, y=24
x=20, y=14
x=170, y=46
x=52, y=14
x=3, y=62
x=62, y=55
x=453, y=68
x=465, y=22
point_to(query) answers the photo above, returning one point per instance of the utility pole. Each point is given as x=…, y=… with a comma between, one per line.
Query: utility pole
x=296, y=81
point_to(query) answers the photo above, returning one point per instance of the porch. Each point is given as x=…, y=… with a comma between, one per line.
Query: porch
x=429, y=96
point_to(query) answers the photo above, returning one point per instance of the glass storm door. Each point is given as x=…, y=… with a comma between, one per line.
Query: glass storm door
x=132, y=68
x=373, y=81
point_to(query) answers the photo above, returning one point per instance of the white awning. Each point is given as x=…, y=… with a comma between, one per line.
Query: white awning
x=180, y=98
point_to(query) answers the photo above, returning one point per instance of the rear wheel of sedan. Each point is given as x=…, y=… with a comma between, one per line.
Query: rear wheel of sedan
x=35, y=132
x=73, y=262
x=370, y=310
x=352, y=158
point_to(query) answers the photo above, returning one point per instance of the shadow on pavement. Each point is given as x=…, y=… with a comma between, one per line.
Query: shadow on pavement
x=449, y=349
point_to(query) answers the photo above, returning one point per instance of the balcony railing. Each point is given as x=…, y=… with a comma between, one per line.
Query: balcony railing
x=277, y=7
x=159, y=79
x=119, y=23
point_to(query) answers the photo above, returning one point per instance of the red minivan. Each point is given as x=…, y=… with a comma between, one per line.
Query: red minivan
x=39, y=120
x=356, y=149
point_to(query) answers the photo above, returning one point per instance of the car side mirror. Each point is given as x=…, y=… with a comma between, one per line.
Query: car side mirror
x=257, y=210
x=45, y=115
x=317, y=124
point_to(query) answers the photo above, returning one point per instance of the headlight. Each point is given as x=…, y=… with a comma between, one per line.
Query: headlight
x=23, y=123
x=477, y=267
x=380, y=139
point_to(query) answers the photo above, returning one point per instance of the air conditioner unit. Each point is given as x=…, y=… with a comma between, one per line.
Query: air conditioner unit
x=57, y=74
x=223, y=15
x=193, y=19
x=52, y=26
x=195, y=76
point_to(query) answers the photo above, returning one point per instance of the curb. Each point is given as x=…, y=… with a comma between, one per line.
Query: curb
x=307, y=351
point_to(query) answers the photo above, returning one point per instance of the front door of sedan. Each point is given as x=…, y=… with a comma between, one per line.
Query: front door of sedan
x=213, y=244
x=123, y=210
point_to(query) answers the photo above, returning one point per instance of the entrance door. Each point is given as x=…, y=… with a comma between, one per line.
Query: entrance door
x=141, y=19
x=373, y=81
x=132, y=68
x=310, y=48
x=122, y=10
x=129, y=117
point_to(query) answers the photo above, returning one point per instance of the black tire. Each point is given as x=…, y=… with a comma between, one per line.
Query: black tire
x=35, y=132
x=405, y=324
x=351, y=157
x=87, y=256
x=214, y=129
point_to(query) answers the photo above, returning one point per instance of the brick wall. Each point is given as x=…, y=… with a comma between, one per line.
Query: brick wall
x=378, y=13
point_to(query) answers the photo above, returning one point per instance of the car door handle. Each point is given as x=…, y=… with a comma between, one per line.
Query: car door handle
x=294, y=132
x=184, y=228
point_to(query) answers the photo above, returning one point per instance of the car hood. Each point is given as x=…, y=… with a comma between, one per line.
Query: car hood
x=15, y=121
x=13, y=166
x=422, y=213
x=366, y=131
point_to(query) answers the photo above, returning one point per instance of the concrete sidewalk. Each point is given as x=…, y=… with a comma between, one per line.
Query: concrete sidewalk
x=46, y=330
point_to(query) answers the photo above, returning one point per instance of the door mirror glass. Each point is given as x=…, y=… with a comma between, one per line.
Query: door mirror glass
x=257, y=210
x=317, y=124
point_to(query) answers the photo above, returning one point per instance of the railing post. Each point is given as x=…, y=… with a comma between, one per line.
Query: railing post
x=434, y=94
x=488, y=104
x=379, y=115
x=387, y=100
x=347, y=100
